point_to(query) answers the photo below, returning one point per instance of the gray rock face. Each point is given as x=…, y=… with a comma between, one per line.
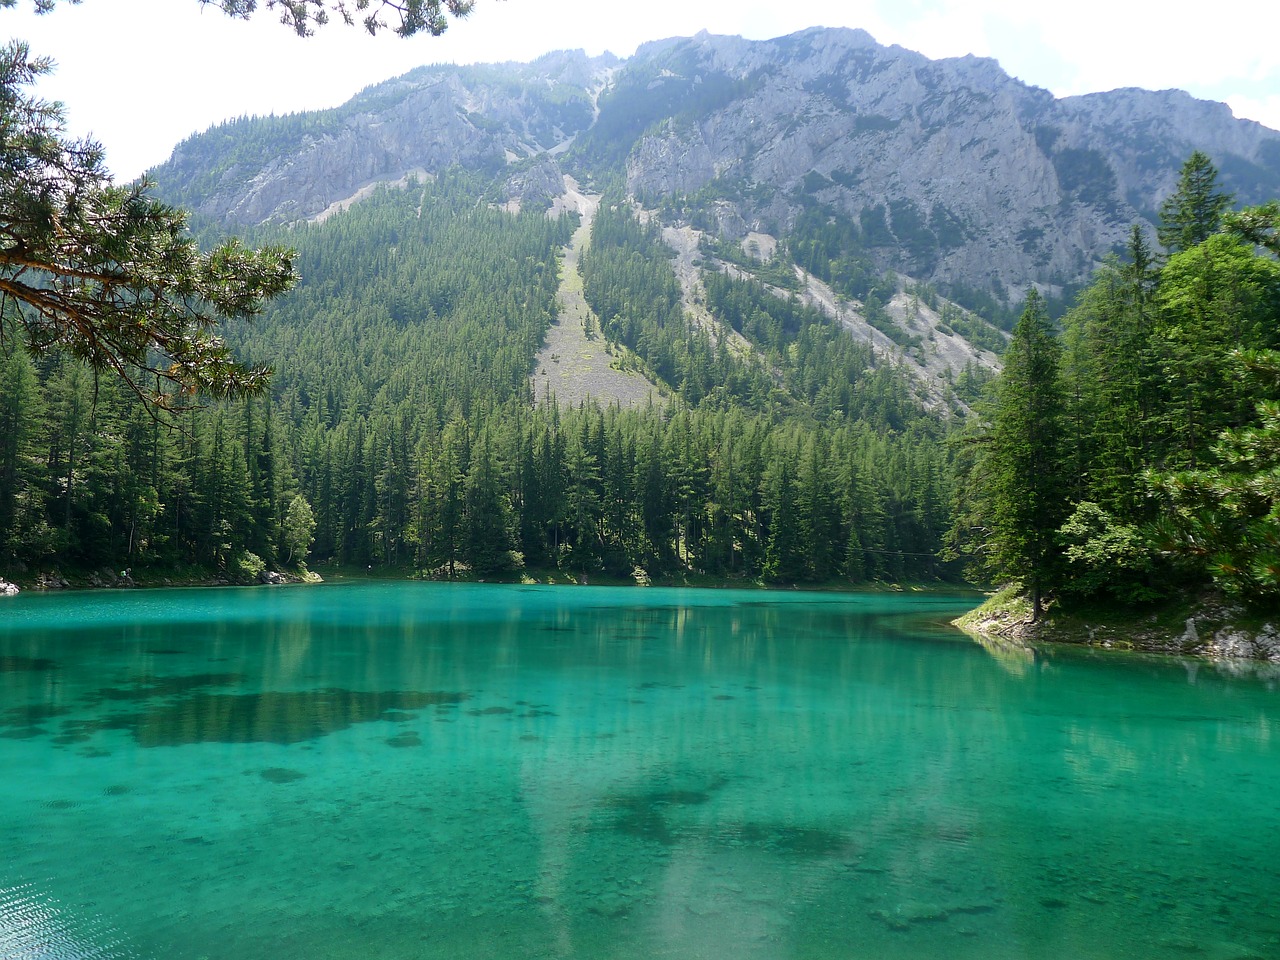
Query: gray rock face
x=1235, y=643
x=979, y=178
x=292, y=168
x=950, y=170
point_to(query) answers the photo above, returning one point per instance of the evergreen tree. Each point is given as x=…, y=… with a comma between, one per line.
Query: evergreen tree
x=1195, y=210
x=488, y=540
x=107, y=273
x=784, y=555
x=1226, y=515
x=1214, y=298
x=21, y=409
x=1026, y=488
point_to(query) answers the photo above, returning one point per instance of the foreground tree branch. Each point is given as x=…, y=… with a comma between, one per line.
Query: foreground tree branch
x=304, y=17
x=109, y=274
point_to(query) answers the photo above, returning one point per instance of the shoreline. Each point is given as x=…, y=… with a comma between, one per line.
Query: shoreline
x=52, y=581
x=1206, y=627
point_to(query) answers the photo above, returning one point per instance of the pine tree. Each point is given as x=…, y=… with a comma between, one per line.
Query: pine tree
x=107, y=273
x=487, y=541
x=1213, y=298
x=1227, y=515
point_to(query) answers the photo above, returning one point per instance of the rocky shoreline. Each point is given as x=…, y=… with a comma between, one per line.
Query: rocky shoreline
x=1211, y=629
x=108, y=579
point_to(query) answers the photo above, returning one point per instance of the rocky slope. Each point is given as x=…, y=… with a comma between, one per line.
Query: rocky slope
x=947, y=170
x=489, y=119
x=576, y=364
x=952, y=170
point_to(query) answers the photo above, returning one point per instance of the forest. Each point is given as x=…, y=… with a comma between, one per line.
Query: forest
x=400, y=431
x=1128, y=450
x=1132, y=452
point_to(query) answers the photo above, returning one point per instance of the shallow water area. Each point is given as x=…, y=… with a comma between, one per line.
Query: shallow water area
x=423, y=771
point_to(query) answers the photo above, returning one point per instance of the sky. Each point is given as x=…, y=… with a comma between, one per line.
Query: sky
x=142, y=75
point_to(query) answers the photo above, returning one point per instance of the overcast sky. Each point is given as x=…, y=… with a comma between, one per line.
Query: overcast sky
x=141, y=75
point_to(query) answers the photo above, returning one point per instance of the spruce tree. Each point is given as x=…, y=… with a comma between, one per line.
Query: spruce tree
x=1026, y=485
x=1195, y=210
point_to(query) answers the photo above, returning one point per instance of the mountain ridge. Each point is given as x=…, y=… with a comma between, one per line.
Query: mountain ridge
x=950, y=170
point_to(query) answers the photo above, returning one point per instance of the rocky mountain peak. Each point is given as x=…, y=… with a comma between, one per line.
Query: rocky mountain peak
x=948, y=170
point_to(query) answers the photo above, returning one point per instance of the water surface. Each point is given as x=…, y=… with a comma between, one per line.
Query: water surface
x=425, y=771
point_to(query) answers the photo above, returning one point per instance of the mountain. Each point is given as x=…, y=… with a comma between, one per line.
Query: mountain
x=948, y=171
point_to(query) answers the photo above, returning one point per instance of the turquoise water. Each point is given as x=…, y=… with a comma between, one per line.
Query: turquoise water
x=426, y=771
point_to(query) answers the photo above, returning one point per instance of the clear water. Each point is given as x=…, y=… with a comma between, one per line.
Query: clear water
x=414, y=771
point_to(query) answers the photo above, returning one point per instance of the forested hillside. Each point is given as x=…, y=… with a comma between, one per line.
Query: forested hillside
x=400, y=429
x=824, y=417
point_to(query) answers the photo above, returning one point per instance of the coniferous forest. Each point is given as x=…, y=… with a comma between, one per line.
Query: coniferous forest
x=1128, y=450
x=400, y=429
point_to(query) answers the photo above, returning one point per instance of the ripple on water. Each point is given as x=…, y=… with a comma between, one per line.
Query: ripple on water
x=33, y=925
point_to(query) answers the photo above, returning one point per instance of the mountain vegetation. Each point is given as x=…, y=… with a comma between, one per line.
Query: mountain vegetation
x=1133, y=454
x=947, y=171
x=401, y=417
x=773, y=247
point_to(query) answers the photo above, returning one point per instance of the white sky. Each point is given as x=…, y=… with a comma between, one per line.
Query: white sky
x=141, y=75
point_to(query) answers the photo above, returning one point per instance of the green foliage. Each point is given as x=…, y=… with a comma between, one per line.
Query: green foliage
x=1105, y=556
x=108, y=274
x=973, y=328
x=299, y=529
x=1213, y=298
x=400, y=430
x=777, y=271
x=1169, y=473
x=831, y=248
x=1016, y=485
x=1228, y=513
x=1258, y=225
x=245, y=567
x=1195, y=209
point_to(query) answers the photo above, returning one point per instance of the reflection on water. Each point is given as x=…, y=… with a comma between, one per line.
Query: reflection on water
x=422, y=771
x=267, y=717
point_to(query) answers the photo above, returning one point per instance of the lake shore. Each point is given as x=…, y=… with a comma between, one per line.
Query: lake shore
x=110, y=579
x=1206, y=626
x=55, y=579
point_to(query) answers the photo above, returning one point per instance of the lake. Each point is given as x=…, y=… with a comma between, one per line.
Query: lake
x=403, y=771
